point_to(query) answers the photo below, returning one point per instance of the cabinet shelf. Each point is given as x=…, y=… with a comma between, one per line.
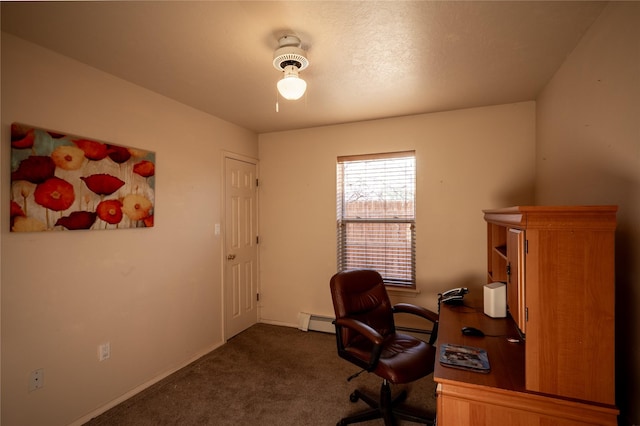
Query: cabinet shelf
x=501, y=251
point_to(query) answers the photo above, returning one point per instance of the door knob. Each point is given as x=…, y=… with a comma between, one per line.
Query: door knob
x=231, y=257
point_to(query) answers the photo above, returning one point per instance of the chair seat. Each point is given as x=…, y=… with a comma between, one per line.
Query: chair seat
x=404, y=358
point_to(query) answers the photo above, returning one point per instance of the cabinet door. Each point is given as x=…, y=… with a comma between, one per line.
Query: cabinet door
x=570, y=298
x=515, y=277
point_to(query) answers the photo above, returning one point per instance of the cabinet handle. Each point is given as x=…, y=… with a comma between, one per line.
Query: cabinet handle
x=231, y=257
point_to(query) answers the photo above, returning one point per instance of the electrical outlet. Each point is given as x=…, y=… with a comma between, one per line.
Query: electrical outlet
x=104, y=351
x=36, y=379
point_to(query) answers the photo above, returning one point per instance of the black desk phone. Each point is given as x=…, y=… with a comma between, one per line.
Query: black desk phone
x=454, y=296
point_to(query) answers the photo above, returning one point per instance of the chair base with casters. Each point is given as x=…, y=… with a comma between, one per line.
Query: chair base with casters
x=385, y=408
x=366, y=336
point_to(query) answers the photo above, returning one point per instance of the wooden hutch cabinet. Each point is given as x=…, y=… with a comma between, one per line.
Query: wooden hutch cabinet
x=558, y=264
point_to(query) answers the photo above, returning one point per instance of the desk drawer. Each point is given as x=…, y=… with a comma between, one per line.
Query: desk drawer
x=460, y=405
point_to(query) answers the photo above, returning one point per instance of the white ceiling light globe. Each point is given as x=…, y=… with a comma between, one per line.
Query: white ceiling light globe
x=291, y=86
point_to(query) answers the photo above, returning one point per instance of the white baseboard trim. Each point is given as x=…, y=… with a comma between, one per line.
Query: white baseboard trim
x=138, y=389
x=280, y=323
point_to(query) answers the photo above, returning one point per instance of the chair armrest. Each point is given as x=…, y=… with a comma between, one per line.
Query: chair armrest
x=366, y=331
x=425, y=313
x=359, y=327
x=408, y=308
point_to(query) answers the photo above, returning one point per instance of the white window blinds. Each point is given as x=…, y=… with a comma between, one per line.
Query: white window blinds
x=376, y=215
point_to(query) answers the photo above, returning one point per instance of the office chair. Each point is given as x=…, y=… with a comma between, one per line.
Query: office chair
x=366, y=336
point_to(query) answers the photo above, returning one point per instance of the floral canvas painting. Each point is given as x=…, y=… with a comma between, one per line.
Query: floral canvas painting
x=63, y=182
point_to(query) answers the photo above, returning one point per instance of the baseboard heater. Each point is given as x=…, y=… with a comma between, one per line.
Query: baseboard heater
x=312, y=322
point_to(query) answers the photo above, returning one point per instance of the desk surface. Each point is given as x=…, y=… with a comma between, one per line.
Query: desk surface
x=506, y=358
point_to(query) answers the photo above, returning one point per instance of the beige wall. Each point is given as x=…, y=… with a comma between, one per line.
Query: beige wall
x=155, y=294
x=467, y=160
x=588, y=152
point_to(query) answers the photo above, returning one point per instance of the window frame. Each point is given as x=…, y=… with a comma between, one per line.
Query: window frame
x=407, y=225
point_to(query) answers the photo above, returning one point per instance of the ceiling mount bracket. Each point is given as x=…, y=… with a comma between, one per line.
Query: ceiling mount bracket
x=289, y=53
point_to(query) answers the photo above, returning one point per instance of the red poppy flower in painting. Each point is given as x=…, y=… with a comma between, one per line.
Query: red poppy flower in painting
x=56, y=135
x=136, y=207
x=55, y=194
x=110, y=211
x=77, y=220
x=148, y=221
x=92, y=150
x=22, y=137
x=103, y=184
x=35, y=169
x=16, y=210
x=118, y=154
x=144, y=168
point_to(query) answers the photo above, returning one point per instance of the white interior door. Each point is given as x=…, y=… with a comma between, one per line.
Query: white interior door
x=241, y=247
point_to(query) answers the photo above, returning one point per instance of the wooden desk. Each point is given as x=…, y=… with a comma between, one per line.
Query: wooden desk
x=500, y=397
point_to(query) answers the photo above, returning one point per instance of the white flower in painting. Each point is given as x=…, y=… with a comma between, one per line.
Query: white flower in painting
x=68, y=157
x=28, y=224
x=136, y=207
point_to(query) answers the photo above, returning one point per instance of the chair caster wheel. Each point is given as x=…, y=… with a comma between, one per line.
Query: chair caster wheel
x=353, y=398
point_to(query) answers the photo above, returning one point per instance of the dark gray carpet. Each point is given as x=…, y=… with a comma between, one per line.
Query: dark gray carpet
x=266, y=375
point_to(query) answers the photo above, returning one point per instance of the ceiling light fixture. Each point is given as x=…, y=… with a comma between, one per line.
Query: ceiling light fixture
x=290, y=59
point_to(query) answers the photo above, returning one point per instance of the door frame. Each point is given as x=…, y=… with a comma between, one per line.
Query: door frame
x=223, y=227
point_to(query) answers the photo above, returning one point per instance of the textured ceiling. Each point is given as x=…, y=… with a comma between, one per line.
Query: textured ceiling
x=368, y=60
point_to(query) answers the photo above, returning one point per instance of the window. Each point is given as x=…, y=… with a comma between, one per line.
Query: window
x=376, y=215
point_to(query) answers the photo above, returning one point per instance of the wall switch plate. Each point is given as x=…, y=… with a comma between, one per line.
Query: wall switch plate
x=104, y=351
x=36, y=379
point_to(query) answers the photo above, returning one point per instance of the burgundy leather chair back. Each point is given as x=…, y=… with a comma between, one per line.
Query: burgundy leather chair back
x=361, y=294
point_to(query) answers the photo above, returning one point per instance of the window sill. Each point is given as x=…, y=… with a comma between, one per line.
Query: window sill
x=406, y=292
